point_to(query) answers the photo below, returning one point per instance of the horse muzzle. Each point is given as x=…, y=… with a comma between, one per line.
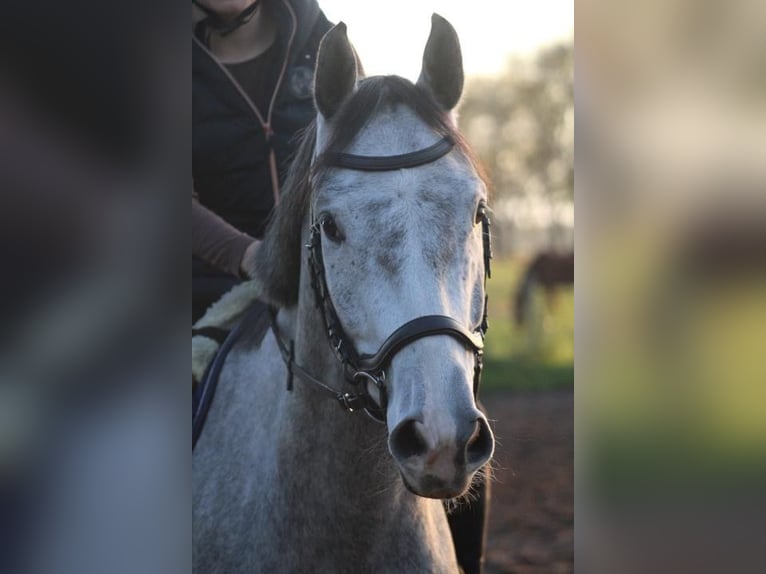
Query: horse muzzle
x=439, y=460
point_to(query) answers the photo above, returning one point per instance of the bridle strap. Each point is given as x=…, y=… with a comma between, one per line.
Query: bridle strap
x=426, y=326
x=389, y=162
x=348, y=401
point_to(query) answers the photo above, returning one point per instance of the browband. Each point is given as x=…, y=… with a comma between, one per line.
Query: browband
x=389, y=162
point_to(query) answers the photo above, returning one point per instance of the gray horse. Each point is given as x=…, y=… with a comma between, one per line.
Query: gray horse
x=285, y=481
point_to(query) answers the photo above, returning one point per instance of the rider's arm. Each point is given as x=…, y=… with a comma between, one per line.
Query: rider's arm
x=217, y=242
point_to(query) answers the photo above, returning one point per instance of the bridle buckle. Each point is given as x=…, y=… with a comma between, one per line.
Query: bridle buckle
x=351, y=403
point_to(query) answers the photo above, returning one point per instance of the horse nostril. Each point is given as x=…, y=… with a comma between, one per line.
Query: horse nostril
x=480, y=444
x=406, y=440
x=474, y=435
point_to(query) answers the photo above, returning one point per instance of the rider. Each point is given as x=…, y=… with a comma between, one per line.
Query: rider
x=252, y=72
x=252, y=75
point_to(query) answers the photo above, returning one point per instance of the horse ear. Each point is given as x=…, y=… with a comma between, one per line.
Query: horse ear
x=336, y=71
x=442, y=72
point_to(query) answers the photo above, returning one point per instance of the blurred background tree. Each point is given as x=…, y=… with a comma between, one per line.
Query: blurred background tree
x=521, y=124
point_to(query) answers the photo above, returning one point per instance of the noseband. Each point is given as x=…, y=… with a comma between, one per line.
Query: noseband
x=361, y=370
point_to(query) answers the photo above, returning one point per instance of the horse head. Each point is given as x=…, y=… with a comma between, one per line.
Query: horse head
x=397, y=244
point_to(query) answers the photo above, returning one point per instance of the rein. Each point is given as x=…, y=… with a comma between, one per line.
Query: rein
x=361, y=370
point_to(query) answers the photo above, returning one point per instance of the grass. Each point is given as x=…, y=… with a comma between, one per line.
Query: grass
x=539, y=356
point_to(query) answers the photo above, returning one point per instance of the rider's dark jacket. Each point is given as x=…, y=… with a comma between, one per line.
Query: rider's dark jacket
x=230, y=142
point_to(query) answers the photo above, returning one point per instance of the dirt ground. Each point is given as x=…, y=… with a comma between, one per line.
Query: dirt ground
x=531, y=525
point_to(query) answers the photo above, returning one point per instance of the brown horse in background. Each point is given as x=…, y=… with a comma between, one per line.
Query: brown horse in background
x=549, y=270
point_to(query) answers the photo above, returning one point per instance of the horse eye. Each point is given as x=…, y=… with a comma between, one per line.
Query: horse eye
x=331, y=229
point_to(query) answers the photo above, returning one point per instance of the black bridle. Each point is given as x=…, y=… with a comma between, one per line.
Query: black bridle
x=362, y=369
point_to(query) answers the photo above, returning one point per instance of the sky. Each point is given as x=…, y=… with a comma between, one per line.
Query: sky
x=390, y=35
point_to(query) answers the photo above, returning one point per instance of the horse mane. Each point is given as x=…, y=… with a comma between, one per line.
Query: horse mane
x=279, y=258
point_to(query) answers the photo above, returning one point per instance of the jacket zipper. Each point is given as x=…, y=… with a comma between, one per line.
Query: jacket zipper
x=265, y=123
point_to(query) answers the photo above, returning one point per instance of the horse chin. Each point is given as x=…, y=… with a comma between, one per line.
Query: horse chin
x=433, y=487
